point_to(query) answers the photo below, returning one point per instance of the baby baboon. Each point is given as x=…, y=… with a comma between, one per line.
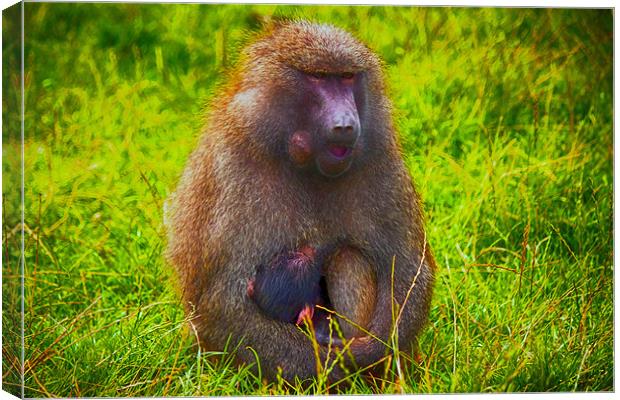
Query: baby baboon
x=300, y=151
x=288, y=288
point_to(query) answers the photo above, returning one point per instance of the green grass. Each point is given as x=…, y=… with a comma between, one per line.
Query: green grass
x=505, y=116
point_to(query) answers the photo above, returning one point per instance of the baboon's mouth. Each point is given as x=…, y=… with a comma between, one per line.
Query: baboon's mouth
x=334, y=160
x=339, y=151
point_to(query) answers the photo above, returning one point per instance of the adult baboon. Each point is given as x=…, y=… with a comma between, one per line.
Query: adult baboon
x=299, y=150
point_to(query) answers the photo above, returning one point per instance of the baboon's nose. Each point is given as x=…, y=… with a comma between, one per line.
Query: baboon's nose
x=345, y=130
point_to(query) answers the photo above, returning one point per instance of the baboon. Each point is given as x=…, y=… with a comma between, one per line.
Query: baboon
x=288, y=288
x=299, y=150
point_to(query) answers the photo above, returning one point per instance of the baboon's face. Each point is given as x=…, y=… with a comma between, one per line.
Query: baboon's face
x=306, y=96
x=326, y=132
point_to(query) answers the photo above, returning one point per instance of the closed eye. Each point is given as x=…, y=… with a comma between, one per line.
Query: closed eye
x=348, y=77
x=317, y=77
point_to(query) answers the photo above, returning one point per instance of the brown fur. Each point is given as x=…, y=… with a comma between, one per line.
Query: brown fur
x=355, y=301
x=237, y=204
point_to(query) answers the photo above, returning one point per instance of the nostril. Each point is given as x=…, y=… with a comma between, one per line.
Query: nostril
x=339, y=129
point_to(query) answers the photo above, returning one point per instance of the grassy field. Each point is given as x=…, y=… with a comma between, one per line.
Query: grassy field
x=505, y=116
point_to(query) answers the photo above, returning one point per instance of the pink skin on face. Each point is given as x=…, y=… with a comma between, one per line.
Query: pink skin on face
x=300, y=148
